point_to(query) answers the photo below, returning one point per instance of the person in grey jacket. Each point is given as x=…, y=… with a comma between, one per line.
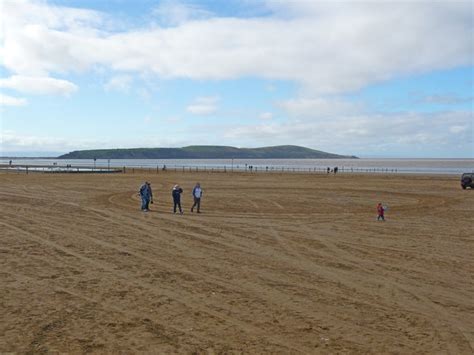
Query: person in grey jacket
x=146, y=195
x=197, y=194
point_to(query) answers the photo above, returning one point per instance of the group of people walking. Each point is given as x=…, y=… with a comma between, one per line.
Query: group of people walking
x=146, y=194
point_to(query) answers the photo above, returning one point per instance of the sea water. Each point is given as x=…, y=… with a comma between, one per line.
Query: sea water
x=417, y=166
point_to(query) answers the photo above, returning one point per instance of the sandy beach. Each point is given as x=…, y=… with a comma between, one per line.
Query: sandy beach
x=276, y=263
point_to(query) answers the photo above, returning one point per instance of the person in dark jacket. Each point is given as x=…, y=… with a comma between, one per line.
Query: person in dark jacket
x=176, y=193
x=146, y=195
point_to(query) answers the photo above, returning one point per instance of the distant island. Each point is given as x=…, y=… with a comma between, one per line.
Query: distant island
x=206, y=152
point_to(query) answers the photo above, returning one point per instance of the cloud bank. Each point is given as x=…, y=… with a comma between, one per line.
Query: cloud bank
x=329, y=48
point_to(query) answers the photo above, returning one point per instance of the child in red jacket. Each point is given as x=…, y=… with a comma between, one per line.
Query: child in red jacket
x=380, y=212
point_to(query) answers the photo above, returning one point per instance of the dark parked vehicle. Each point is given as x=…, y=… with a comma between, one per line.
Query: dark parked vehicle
x=467, y=180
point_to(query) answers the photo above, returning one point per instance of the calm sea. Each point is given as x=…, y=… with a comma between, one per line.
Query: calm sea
x=417, y=166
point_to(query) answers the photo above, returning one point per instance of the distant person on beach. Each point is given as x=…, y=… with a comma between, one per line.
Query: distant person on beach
x=146, y=195
x=380, y=212
x=176, y=193
x=335, y=170
x=197, y=194
x=329, y=169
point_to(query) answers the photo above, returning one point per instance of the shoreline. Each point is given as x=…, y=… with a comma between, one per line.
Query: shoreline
x=110, y=166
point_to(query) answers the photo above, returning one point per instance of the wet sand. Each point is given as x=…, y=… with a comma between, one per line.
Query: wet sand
x=276, y=263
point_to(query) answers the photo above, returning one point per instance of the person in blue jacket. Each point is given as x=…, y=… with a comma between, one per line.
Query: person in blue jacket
x=176, y=193
x=146, y=195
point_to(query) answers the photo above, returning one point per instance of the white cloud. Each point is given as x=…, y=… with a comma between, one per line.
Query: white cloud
x=171, y=12
x=270, y=87
x=458, y=129
x=144, y=94
x=266, y=116
x=6, y=100
x=365, y=132
x=21, y=12
x=13, y=141
x=34, y=36
x=203, y=105
x=327, y=47
x=173, y=119
x=38, y=85
x=446, y=99
x=119, y=83
x=318, y=107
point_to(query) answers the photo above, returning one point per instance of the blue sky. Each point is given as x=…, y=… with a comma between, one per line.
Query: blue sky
x=371, y=79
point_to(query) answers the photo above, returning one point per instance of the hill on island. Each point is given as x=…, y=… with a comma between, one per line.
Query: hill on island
x=206, y=152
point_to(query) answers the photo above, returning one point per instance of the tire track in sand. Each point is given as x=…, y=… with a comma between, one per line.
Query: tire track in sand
x=126, y=278
x=429, y=306
x=283, y=299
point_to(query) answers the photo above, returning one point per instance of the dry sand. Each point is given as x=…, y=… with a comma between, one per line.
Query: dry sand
x=275, y=264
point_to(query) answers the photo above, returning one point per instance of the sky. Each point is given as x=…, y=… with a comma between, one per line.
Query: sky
x=365, y=78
